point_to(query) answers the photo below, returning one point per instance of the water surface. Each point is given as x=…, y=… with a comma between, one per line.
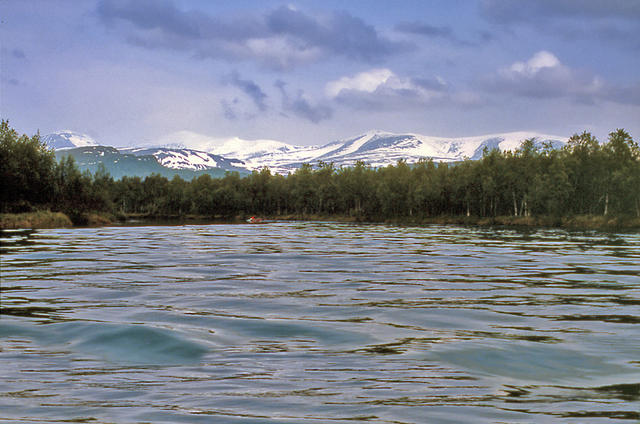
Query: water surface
x=319, y=322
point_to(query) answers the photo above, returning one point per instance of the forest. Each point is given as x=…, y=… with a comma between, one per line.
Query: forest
x=585, y=177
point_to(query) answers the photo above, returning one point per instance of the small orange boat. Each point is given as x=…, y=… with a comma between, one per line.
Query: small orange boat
x=254, y=220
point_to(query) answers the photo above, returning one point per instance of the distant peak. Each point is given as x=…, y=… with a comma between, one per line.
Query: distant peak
x=68, y=139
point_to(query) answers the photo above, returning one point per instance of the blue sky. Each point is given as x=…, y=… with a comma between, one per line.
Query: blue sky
x=310, y=72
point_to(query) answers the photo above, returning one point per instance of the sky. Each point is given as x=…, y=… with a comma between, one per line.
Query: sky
x=309, y=72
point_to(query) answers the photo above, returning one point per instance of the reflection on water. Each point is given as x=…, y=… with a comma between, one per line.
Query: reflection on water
x=319, y=322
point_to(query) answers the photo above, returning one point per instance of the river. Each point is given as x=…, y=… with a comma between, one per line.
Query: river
x=316, y=322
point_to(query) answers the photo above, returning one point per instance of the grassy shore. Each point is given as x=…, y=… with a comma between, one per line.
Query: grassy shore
x=47, y=219
x=39, y=219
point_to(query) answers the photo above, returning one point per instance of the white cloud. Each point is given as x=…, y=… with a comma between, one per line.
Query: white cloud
x=545, y=76
x=381, y=88
x=542, y=59
x=367, y=81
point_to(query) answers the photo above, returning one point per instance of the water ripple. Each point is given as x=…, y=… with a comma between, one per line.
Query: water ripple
x=319, y=322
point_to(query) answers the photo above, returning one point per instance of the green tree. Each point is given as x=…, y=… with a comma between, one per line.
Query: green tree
x=303, y=190
x=622, y=193
x=26, y=170
x=585, y=172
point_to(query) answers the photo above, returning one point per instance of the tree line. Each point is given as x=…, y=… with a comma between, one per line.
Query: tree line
x=585, y=177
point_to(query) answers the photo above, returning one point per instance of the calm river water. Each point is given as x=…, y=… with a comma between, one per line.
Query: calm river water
x=319, y=323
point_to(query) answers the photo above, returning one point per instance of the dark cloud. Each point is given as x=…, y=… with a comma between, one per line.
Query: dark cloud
x=280, y=38
x=301, y=107
x=228, y=110
x=18, y=54
x=251, y=89
x=486, y=36
x=424, y=29
x=430, y=31
x=432, y=84
x=149, y=14
x=507, y=11
x=337, y=33
x=613, y=20
x=167, y=19
x=624, y=95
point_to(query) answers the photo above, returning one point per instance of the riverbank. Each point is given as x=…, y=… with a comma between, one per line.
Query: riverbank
x=39, y=219
x=579, y=222
x=47, y=219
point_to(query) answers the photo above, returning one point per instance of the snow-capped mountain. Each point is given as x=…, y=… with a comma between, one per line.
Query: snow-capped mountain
x=68, y=140
x=119, y=163
x=376, y=148
x=278, y=156
x=253, y=153
x=191, y=151
x=87, y=153
x=176, y=158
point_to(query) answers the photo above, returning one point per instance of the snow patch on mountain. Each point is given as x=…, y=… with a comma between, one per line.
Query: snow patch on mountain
x=182, y=158
x=232, y=146
x=358, y=144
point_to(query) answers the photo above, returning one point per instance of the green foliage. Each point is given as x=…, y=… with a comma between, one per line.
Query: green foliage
x=585, y=177
x=26, y=171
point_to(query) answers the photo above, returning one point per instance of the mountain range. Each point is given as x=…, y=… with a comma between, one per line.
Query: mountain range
x=190, y=154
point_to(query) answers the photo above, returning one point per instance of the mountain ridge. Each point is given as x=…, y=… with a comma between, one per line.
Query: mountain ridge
x=192, y=151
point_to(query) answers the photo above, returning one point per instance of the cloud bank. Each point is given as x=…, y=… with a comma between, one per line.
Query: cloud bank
x=543, y=76
x=281, y=38
x=613, y=20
